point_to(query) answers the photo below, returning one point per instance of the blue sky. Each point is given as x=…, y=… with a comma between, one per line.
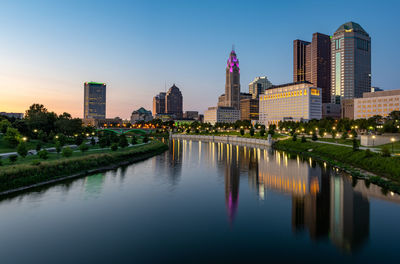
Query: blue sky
x=49, y=48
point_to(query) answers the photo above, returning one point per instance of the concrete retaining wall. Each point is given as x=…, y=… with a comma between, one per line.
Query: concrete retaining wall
x=376, y=140
x=225, y=139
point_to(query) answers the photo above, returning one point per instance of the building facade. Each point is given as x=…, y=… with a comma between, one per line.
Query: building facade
x=350, y=62
x=377, y=103
x=191, y=115
x=141, y=115
x=249, y=109
x=221, y=114
x=174, y=102
x=159, y=104
x=12, y=115
x=347, y=108
x=258, y=86
x=299, y=101
x=331, y=110
x=312, y=63
x=94, y=100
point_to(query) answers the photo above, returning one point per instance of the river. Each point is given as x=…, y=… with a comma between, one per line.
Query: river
x=203, y=202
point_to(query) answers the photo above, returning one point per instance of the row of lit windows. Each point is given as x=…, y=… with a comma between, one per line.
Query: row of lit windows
x=290, y=94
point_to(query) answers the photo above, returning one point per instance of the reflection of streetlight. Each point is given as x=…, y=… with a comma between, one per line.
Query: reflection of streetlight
x=392, y=139
x=373, y=140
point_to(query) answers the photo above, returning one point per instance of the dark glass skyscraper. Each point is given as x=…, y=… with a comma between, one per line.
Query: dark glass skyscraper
x=94, y=100
x=174, y=102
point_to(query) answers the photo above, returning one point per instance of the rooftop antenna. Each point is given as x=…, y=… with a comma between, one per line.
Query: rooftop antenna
x=233, y=47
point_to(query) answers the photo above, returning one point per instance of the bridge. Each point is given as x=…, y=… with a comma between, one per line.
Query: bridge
x=120, y=131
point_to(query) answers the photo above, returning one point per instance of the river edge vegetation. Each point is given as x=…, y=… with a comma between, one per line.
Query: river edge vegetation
x=22, y=175
x=386, y=169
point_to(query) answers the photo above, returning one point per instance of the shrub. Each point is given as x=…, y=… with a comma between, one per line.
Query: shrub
x=345, y=135
x=271, y=131
x=62, y=139
x=294, y=138
x=333, y=133
x=83, y=147
x=1, y=163
x=43, y=154
x=102, y=142
x=58, y=147
x=134, y=140
x=355, y=145
x=262, y=132
x=79, y=140
x=197, y=131
x=35, y=162
x=38, y=146
x=22, y=149
x=67, y=152
x=92, y=141
x=145, y=139
x=368, y=153
x=114, y=147
x=12, y=137
x=251, y=131
x=188, y=130
x=385, y=152
x=123, y=142
x=314, y=137
x=13, y=158
x=242, y=131
x=303, y=139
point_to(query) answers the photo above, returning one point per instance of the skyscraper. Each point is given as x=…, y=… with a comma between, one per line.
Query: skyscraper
x=351, y=62
x=312, y=63
x=258, y=86
x=94, y=100
x=159, y=104
x=231, y=98
x=174, y=102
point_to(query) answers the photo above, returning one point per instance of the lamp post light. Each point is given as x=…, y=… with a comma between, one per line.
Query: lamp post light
x=392, y=139
x=373, y=140
x=24, y=139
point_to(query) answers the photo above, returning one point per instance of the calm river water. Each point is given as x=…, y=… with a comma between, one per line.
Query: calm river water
x=204, y=202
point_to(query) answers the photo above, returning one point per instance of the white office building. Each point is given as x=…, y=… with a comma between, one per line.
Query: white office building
x=299, y=101
x=221, y=114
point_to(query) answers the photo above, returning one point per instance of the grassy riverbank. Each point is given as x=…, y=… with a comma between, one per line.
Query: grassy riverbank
x=349, y=160
x=21, y=175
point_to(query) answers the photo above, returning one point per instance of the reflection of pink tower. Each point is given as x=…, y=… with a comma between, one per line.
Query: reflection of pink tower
x=231, y=190
x=232, y=83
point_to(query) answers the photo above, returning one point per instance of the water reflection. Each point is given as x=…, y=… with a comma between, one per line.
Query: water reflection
x=325, y=204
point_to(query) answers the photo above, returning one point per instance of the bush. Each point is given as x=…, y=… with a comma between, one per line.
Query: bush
x=251, y=131
x=314, y=137
x=13, y=158
x=58, y=147
x=22, y=149
x=345, y=135
x=79, y=140
x=368, y=153
x=242, y=131
x=271, y=132
x=92, y=141
x=43, y=154
x=355, y=145
x=61, y=138
x=103, y=142
x=35, y=162
x=197, y=131
x=262, y=132
x=1, y=163
x=114, y=147
x=386, y=152
x=123, y=142
x=294, y=138
x=188, y=130
x=83, y=147
x=67, y=152
x=333, y=133
x=38, y=146
x=134, y=140
x=145, y=139
x=303, y=139
x=12, y=137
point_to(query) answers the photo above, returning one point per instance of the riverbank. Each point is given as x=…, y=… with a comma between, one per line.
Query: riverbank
x=384, y=171
x=225, y=139
x=23, y=176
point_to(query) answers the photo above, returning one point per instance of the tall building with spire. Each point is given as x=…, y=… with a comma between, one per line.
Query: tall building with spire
x=231, y=98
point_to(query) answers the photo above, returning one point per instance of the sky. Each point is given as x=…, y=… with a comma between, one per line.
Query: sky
x=48, y=49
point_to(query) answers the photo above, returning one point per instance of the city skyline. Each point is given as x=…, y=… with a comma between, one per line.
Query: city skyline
x=55, y=49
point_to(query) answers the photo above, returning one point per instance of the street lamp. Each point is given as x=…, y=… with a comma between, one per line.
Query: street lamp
x=392, y=139
x=24, y=139
x=373, y=140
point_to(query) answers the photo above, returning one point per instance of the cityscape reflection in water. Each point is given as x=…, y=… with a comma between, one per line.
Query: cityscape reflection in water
x=202, y=202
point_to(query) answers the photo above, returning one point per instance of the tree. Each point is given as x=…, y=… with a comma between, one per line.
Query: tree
x=145, y=139
x=242, y=131
x=385, y=152
x=38, y=146
x=4, y=124
x=83, y=147
x=294, y=138
x=43, y=154
x=303, y=139
x=12, y=137
x=92, y=141
x=102, y=142
x=355, y=145
x=78, y=139
x=114, y=147
x=262, y=132
x=22, y=149
x=314, y=137
x=58, y=147
x=251, y=131
x=345, y=135
x=134, y=140
x=123, y=142
x=67, y=152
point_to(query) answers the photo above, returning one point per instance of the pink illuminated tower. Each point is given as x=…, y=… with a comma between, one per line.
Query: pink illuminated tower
x=232, y=84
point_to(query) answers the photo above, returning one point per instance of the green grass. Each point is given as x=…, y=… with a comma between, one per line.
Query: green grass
x=396, y=147
x=339, y=141
x=388, y=167
x=31, y=144
x=19, y=175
